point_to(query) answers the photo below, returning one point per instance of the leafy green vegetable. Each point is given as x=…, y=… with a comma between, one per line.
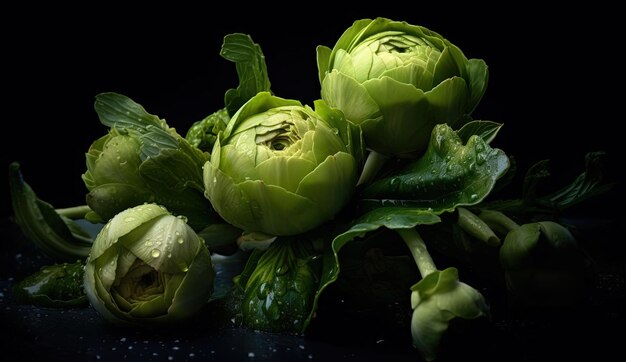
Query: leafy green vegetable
x=203, y=133
x=397, y=81
x=142, y=160
x=448, y=175
x=55, y=235
x=251, y=69
x=58, y=285
x=588, y=184
x=278, y=292
x=148, y=266
x=280, y=168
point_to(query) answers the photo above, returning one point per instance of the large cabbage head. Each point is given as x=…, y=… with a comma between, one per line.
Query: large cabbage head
x=398, y=80
x=281, y=168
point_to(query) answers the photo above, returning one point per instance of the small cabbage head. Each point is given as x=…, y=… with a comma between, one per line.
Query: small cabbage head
x=436, y=300
x=148, y=266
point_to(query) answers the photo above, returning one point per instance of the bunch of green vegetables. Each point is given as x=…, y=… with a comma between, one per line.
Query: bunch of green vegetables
x=389, y=155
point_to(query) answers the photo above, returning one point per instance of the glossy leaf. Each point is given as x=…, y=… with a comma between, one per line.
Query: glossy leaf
x=448, y=175
x=279, y=286
x=58, y=285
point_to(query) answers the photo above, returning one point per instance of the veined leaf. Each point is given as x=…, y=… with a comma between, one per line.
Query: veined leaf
x=251, y=69
x=448, y=175
x=389, y=217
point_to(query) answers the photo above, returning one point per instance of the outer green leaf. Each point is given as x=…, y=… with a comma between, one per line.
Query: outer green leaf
x=488, y=130
x=478, y=74
x=279, y=291
x=345, y=93
x=110, y=198
x=41, y=224
x=588, y=184
x=118, y=111
x=323, y=59
x=251, y=69
x=58, y=285
x=203, y=134
x=449, y=174
x=389, y=217
x=216, y=235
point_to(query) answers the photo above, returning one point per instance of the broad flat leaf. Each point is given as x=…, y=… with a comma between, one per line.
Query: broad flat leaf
x=389, y=217
x=450, y=174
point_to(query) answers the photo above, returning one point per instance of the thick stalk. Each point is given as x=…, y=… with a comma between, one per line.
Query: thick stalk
x=374, y=162
x=416, y=244
x=498, y=221
x=75, y=212
x=477, y=228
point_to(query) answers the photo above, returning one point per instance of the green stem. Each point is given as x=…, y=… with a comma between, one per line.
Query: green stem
x=477, y=228
x=374, y=162
x=75, y=212
x=416, y=244
x=498, y=221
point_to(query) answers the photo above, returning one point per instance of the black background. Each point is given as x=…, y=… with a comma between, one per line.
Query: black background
x=549, y=75
x=555, y=82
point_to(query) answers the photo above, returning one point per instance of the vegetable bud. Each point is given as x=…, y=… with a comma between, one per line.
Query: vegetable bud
x=147, y=265
x=544, y=266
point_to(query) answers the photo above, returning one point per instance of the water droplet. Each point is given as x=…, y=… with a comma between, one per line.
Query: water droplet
x=282, y=269
x=251, y=354
x=214, y=179
x=185, y=269
x=388, y=218
x=395, y=180
x=169, y=256
x=473, y=197
x=180, y=240
x=149, y=243
x=155, y=253
x=177, y=233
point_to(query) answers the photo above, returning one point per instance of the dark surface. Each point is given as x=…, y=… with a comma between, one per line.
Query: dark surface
x=591, y=330
x=548, y=72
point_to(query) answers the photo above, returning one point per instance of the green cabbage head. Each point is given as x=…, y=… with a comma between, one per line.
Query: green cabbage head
x=148, y=266
x=281, y=168
x=398, y=80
